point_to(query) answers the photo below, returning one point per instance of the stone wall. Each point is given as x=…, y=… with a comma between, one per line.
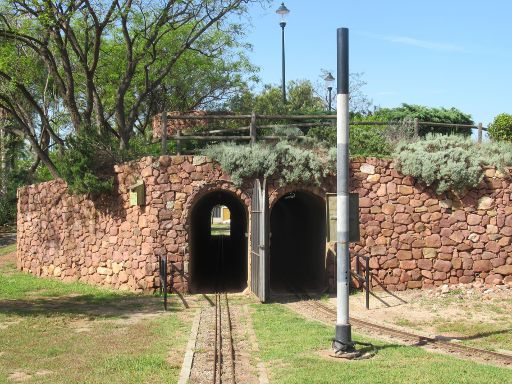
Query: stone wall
x=109, y=242
x=414, y=237
x=417, y=239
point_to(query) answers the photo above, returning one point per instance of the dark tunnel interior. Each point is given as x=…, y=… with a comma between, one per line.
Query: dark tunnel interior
x=297, y=242
x=218, y=262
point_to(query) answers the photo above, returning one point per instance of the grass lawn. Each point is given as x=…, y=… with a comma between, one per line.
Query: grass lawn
x=7, y=249
x=219, y=229
x=479, y=322
x=291, y=349
x=53, y=332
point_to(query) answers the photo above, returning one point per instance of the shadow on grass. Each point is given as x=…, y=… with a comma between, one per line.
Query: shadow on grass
x=7, y=239
x=108, y=306
x=476, y=336
x=374, y=349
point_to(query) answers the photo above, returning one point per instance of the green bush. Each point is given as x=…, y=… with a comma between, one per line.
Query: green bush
x=446, y=162
x=369, y=141
x=88, y=162
x=450, y=162
x=15, y=179
x=501, y=128
x=291, y=163
x=365, y=140
x=435, y=115
x=7, y=209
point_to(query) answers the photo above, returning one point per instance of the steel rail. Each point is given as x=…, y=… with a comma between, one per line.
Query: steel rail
x=219, y=363
x=419, y=340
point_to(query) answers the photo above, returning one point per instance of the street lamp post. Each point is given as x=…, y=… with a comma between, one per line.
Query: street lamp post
x=329, y=81
x=283, y=11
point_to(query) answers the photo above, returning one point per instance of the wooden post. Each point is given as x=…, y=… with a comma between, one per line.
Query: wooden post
x=252, y=129
x=416, y=127
x=480, y=132
x=164, y=133
x=178, y=142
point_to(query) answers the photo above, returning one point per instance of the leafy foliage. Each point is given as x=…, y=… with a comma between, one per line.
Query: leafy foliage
x=435, y=115
x=450, y=162
x=301, y=98
x=290, y=163
x=501, y=128
x=87, y=165
x=368, y=141
x=16, y=177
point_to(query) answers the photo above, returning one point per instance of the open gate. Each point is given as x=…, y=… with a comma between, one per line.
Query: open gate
x=259, y=241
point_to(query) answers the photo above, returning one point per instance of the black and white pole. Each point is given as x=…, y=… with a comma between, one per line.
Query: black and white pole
x=343, y=339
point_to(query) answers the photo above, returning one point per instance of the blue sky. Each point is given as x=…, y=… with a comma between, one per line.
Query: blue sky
x=436, y=53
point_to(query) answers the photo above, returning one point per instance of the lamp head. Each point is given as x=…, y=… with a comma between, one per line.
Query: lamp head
x=283, y=11
x=329, y=80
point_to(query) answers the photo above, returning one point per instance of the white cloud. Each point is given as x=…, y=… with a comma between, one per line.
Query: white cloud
x=435, y=46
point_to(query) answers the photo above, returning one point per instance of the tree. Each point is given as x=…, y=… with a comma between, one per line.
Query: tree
x=358, y=102
x=106, y=65
x=302, y=98
x=436, y=115
x=501, y=128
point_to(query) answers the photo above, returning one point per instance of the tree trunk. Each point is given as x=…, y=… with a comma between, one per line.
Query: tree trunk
x=3, y=155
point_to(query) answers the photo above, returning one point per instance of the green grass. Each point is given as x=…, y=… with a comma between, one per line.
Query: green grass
x=478, y=334
x=290, y=347
x=219, y=229
x=7, y=249
x=85, y=334
x=16, y=285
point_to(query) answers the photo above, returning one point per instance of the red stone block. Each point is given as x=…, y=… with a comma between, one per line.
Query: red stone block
x=442, y=265
x=482, y=266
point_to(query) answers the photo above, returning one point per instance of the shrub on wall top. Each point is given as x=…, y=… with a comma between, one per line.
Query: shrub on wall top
x=445, y=162
x=501, y=128
x=291, y=163
x=450, y=162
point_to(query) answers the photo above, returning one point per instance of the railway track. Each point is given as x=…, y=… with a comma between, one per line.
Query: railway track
x=409, y=337
x=224, y=352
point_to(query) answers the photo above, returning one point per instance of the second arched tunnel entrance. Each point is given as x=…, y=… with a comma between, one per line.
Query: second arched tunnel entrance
x=218, y=243
x=297, y=242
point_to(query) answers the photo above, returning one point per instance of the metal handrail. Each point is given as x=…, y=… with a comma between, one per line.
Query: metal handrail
x=366, y=276
x=162, y=264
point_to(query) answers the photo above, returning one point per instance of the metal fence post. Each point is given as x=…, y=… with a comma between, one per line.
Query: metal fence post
x=416, y=127
x=367, y=281
x=480, y=131
x=164, y=133
x=178, y=142
x=252, y=130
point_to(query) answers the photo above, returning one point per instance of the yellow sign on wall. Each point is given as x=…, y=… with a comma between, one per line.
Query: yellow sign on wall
x=137, y=194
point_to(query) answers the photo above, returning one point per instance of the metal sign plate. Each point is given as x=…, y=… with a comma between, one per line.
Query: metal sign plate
x=354, y=235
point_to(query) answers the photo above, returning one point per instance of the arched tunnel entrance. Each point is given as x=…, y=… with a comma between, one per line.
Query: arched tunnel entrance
x=218, y=243
x=297, y=242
